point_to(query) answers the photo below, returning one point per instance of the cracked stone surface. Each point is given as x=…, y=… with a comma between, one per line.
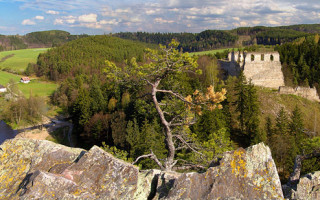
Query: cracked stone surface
x=39, y=169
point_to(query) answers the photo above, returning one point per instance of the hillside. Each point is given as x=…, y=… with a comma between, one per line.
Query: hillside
x=214, y=39
x=40, y=39
x=16, y=61
x=86, y=55
x=271, y=102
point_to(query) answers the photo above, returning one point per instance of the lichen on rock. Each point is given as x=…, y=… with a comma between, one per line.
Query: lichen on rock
x=33, y=169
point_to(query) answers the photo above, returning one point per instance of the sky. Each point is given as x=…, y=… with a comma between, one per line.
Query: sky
x=112, y=16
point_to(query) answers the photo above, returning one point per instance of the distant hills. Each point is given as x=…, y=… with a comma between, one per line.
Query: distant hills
x=39, y=39
x=214, y=39
x=191, y=42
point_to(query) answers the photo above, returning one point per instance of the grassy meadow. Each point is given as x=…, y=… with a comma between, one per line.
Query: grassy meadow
x=36, y=87
x=5, y=77
x=18, y=60
x=211, y=51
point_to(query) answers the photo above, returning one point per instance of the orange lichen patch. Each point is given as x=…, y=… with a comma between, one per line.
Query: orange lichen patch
x=238, y=163
x=11, y=170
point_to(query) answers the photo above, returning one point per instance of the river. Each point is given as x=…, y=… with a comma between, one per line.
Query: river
x=6, y=132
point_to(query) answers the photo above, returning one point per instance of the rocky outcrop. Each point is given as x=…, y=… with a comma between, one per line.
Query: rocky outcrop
x=34, y=169
x=241, y=174
x=308, y=188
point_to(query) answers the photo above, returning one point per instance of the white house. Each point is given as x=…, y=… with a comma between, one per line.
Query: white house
x=25, y=80
x=2, y=88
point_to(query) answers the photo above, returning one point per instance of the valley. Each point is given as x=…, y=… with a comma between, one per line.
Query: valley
x=101, y=84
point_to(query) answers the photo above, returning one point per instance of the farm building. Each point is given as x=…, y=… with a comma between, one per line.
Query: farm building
x=25, y=80
x=2, y=88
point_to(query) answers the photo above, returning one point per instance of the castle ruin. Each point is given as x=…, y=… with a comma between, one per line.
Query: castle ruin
x=306, y=92
x=263, y=69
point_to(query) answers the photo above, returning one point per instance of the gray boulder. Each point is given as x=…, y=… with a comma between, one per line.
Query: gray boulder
x=308, y=188
x=34, y=169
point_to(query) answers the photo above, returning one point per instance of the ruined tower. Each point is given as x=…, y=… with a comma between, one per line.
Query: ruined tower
x=263, y=69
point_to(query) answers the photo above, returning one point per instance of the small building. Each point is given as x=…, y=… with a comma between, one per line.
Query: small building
x=2, y=88
x=25, y=79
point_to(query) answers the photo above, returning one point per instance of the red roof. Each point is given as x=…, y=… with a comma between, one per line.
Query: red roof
x=25, y=78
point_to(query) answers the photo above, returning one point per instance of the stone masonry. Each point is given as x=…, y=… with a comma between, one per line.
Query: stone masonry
x=263, y=69
x=306, y=92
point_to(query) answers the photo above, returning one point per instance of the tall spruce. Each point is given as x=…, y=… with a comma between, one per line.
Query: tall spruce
x=247, y=106
x=296, y=126
x=241, y=93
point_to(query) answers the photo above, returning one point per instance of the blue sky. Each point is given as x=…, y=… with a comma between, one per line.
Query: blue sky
x=105, y=16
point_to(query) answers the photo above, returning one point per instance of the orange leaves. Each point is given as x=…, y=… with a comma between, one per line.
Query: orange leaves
x=211, y=100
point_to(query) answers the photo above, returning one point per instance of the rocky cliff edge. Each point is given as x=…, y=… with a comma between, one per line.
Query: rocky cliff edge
x=39, y=169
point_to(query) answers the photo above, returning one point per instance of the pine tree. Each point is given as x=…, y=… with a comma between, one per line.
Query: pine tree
x=296, y=126
x=247, y=105
x=282, y=123
x=241, y=93
x=269, y=129
x=252, y=115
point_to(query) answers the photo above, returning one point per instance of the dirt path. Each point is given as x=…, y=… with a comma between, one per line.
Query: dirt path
x=44, y=132
x=34, y=134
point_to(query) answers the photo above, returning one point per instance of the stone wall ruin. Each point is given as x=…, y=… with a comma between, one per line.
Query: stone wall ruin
x=306, y=92
x=263, y=69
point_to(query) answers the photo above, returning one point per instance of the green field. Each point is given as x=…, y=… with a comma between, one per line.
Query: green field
x=36, y=87
x=211, y=51
x=5, y=77
x=20, y=59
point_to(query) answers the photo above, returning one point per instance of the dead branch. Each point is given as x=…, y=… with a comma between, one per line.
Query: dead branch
x=175, y=94
x=188, y=145
x=153, y=157
x=182, y=124
x=190, y=167
x=295, y=175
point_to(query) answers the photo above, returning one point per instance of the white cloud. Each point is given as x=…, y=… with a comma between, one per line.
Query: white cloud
x=70, y=19
x=159, y=20
x=88, y=18
x=273, y=22
x=123, y=10
x=159, y=15
x=243, y=23
x=28, y=22
x=192, y=17
x=90, y=25
x=66, y=20
x=39, y=17
x=52, y=12
x=236, y=18
x=153, y=11
x=58, y=21
x=109, y=22
x=255, y=22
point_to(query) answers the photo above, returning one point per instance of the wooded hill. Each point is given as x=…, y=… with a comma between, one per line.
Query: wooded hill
x=213, y=39
x=38, y=39
x=189, y=42
x=86, y=55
